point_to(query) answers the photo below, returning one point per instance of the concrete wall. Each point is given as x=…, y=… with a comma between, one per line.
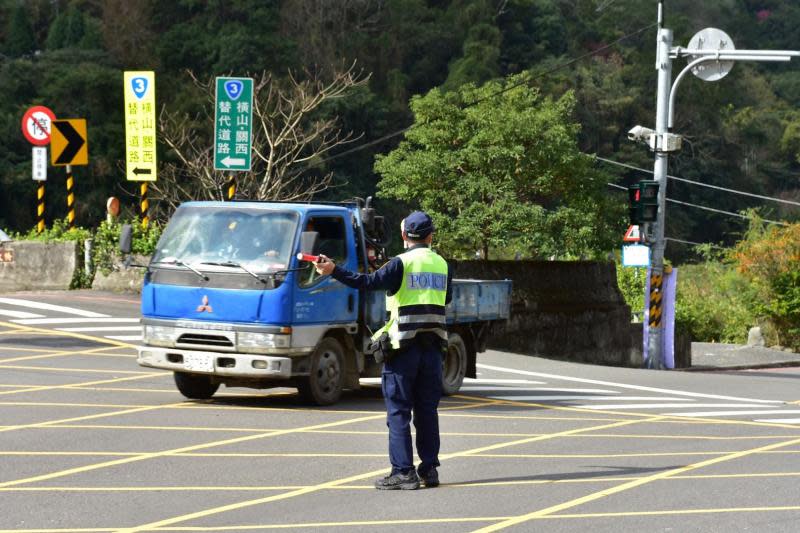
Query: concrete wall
x=39, y=266
x=121, y=279
x=566, y=310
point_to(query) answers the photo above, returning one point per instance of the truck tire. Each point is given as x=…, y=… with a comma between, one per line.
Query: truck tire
x=195, y=386
x=323, y=385
x=455, y=364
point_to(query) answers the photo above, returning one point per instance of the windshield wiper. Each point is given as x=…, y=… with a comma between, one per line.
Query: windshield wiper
x=181, y=263
x=236, y=265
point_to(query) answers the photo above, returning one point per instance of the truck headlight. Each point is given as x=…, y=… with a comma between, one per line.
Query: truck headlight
x=260, y=342
x=159, y=336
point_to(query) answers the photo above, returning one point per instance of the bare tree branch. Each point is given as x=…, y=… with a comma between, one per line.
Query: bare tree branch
x=289, y=134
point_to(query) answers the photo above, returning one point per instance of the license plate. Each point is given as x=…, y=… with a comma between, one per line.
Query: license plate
x=198, y=362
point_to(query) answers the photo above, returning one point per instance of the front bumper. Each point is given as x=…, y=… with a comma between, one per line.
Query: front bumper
x=238, y=365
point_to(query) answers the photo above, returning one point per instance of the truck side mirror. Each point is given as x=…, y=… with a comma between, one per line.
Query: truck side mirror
x=309, y=243
x=125, y=236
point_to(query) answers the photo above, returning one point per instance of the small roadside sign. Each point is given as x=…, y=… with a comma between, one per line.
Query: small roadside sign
x=632, y=235
x=635, y=255
x=39, y=163
x=36, y=125
x=233, y=121
x=68, y=143
x=140, y=126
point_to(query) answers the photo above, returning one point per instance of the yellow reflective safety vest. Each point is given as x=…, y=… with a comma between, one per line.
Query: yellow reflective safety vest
x=419, y=304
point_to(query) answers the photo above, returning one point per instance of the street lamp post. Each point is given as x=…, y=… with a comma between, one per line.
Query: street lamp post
x=711, y=56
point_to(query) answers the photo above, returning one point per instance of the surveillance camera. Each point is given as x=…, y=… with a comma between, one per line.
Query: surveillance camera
x=640, y=133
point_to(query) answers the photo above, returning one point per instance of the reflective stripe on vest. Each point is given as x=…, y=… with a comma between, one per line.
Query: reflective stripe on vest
x=419, y=304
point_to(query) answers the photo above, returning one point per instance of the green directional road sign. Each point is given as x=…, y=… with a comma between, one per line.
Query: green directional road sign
x=233, y=123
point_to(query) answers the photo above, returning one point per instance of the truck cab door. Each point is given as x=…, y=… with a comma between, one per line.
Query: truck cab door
x=321, y=299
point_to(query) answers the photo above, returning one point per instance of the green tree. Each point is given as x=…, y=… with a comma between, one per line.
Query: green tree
x=19, y=34
x=498, y=167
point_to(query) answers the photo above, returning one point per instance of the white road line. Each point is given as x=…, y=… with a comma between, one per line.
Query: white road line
x=734, y=413
x=626, y=386
x=18, y=314
x=481, y=388
x=469, y=386
x=668, y=405
x=779, y=420
x=487, y=381
x=107, y=328
x=124, y=337
x=45, y=321
x=591, y=398
x=50, y=307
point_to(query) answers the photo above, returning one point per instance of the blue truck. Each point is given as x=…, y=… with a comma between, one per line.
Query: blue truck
x=227, y=299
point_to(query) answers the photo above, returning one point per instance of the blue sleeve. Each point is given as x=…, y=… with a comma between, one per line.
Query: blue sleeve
x=387, y=278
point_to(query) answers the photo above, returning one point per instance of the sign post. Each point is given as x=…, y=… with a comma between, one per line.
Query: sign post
x=233, y=123
x=39, y=159
x=140, y=132
x=68, y=147
x=36, y=128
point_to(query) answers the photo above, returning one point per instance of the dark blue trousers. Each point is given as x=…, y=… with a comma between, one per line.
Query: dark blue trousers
x=412, y=382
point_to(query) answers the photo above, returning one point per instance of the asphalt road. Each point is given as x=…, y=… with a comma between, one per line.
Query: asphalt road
x=90, y=442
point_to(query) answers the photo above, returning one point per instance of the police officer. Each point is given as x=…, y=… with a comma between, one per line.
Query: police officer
x=418, y=289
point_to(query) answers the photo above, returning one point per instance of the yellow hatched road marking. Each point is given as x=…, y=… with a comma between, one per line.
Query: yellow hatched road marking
x=68, y=386
x=244, y=488
x=86, y=370
x=43, y=331
x=51, y=354
x=680, y=512
x=357, y=477
x=78, y=418
x=630, y=485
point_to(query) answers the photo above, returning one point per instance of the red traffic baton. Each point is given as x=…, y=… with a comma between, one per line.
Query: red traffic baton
x=306, y=257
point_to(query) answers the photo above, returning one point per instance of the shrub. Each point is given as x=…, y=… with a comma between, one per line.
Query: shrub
x=106, y=242
x=769, y=257
x=715, y=302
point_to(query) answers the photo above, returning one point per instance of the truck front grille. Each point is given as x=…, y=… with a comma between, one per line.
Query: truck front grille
x=201, y=339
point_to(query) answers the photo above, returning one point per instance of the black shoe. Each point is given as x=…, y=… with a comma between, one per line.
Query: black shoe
x=399, y=481
x=430, y=478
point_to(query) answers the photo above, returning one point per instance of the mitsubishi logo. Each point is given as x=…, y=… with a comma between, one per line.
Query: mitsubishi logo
x=204, y=305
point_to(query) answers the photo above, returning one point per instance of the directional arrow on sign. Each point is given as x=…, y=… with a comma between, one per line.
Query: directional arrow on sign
x=68, y=140
x=139, y=171
x=229, y=161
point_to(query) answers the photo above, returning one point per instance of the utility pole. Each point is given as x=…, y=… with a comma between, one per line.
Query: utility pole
x=711, y=55
x=664, y=68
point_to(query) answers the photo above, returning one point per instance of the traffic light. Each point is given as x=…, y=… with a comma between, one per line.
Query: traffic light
x=643, y=202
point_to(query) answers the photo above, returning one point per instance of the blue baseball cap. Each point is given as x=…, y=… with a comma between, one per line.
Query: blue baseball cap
x=418, y=225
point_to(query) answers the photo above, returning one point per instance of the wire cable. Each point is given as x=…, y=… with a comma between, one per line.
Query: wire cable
x=730, y=213
x=695, y=243
x=504, y=90
x=734, y=191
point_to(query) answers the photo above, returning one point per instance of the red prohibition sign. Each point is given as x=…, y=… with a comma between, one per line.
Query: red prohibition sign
x=36, y=125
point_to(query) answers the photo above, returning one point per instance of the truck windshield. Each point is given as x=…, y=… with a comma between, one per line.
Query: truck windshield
x=258, y=239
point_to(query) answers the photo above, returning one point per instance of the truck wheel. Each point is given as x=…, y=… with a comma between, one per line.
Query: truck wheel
x=195, y=386
x=455, y=364
x=323, y=386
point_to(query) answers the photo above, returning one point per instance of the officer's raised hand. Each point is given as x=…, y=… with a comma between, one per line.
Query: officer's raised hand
x=325, y=265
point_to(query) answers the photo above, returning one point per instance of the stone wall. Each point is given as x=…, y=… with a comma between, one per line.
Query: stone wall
x=122, y=279
x=570, y=310
x=39, y=265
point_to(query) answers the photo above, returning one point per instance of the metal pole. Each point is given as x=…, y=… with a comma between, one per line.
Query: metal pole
x=231, y=188
x=654, y=324
x=144, y=205
x=70, y=199
x=40, y=208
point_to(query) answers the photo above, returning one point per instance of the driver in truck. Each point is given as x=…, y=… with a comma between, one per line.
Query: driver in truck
x=418, y=288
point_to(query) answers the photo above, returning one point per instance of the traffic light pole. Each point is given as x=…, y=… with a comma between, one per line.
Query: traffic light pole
x=654, y=323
